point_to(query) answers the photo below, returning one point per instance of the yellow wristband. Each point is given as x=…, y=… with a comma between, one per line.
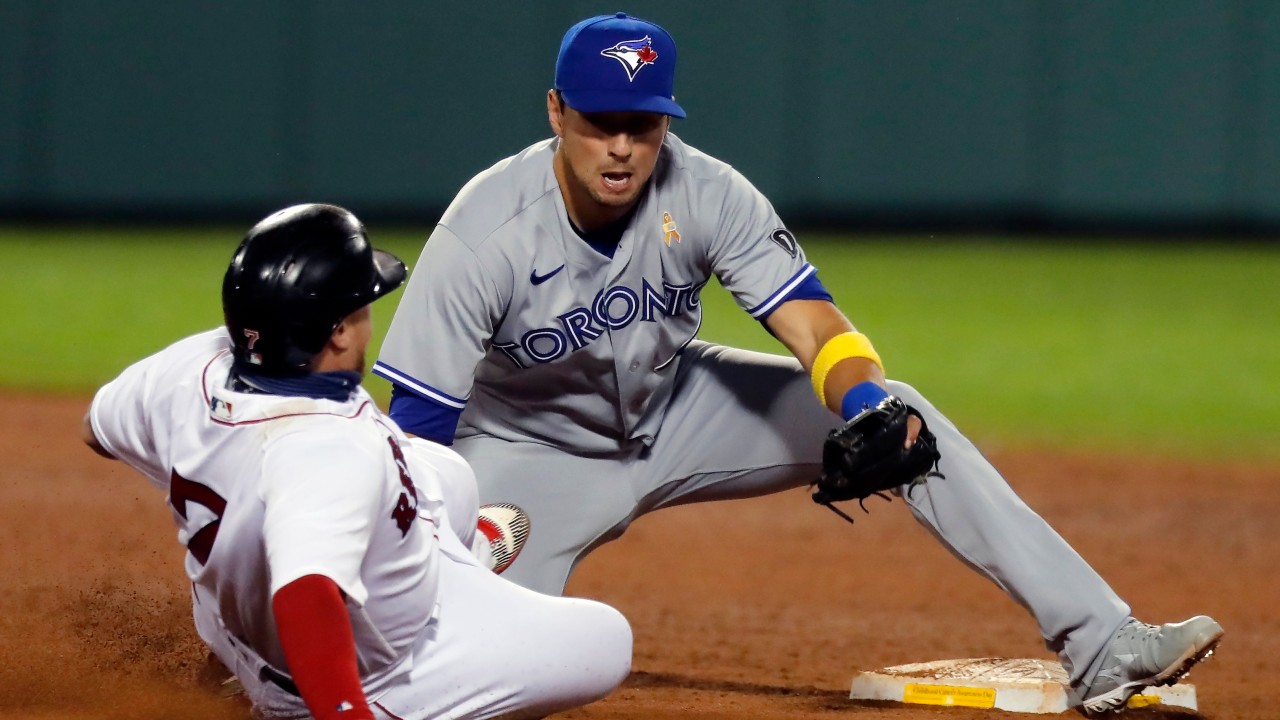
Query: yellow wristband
x=841, y=347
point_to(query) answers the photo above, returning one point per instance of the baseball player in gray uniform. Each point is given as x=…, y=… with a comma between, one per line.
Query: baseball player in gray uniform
x=329, y=555
x=549, y=332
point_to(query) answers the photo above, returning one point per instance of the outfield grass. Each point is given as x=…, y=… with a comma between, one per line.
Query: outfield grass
x=1110, y=346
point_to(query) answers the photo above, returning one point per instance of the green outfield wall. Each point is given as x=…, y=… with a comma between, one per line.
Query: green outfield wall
x=1027, y=113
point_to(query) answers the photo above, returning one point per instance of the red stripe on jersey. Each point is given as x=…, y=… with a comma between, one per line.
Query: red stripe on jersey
x=352, y=416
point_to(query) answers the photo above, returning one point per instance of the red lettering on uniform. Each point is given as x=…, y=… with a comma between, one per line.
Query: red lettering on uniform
x=406, y=509
x=404, y=513
x=182, y=491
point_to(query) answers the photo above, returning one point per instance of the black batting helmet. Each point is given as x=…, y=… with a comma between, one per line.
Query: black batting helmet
x=293, y=279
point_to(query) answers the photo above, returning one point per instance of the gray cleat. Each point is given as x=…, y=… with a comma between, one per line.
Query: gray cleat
x=1142, y=655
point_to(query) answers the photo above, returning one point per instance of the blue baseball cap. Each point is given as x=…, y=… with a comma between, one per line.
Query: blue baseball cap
x=617, y=62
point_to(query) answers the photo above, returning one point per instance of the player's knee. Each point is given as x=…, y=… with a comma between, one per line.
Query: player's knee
x=612, y=634
x=605, y=642
x=591, y=657
x=621, y=642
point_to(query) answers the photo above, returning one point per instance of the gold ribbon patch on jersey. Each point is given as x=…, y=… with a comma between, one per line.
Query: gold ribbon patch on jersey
x=669, y=229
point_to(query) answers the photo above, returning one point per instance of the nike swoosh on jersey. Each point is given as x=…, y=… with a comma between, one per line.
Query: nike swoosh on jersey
x=537, y=279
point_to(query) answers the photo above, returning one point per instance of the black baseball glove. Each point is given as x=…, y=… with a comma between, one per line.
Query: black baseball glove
x=866, y=456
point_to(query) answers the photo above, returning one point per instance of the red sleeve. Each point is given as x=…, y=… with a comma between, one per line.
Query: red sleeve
x=315, y=632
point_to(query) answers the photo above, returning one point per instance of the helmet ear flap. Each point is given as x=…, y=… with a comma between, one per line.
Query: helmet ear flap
x=293, y=279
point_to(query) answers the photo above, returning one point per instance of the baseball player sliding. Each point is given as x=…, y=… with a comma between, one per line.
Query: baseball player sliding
x=329, y=553
x=549, y=331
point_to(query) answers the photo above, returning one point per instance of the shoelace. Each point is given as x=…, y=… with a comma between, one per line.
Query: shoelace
x=1139, y=632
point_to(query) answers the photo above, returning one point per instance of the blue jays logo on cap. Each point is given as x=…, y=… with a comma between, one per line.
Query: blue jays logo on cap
x=633, y=54
x=588, y=78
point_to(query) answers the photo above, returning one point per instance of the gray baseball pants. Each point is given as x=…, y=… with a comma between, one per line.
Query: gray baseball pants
x=742, y=424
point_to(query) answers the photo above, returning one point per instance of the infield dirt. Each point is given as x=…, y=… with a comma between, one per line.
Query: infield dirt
x=758, y=608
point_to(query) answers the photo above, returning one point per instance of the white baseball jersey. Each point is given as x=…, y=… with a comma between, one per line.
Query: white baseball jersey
x=266, y=489
x=541, y=337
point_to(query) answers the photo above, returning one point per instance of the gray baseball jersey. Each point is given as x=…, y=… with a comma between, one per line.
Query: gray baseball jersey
x=564, y=344
x=588, y=402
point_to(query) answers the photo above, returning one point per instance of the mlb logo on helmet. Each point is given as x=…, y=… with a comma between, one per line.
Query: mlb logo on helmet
x=617, y=62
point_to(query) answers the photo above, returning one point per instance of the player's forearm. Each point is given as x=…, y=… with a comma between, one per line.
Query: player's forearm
x=805, y=326
x=808, y=329
x=847, y=374
x=315, y=633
